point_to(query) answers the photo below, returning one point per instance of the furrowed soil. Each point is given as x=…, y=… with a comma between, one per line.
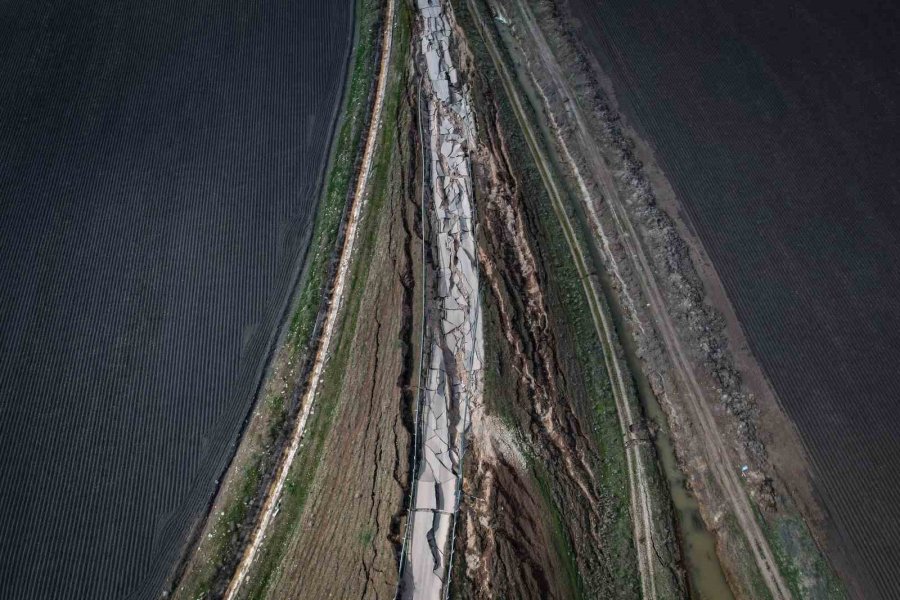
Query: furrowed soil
x=211, y=561
x=546, y=509
x=160, y=167
x=337, y=529
x=773, y=128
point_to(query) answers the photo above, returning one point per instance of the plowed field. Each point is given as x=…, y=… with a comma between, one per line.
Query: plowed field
x=160, y=164
x=776, y=123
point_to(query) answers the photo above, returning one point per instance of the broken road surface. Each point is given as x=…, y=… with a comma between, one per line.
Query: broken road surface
x=454, y=358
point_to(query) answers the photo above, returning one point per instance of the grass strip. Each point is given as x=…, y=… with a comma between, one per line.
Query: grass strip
x=301, y=477
x=225, y=537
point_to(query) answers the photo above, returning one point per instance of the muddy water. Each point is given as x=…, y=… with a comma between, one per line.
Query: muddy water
x=705, y=575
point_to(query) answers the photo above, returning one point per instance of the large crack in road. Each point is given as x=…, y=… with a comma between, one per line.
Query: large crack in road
x=453, y=381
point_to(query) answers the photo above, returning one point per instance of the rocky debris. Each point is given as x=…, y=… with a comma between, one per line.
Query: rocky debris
x=455, y=355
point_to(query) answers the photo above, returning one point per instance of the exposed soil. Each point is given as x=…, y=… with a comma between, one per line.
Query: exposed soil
x=682, y=336
x=507, y=517
x=547, y=530
x=348, y=537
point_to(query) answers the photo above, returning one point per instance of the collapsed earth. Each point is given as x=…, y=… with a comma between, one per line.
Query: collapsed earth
x=428, y=299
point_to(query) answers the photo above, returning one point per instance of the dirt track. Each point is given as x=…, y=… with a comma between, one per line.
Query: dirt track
x=718, y=457
x=271, y=502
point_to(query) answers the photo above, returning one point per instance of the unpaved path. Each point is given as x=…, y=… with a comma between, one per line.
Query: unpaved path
x=641, y=503
x=334, y=305
x=718, y=457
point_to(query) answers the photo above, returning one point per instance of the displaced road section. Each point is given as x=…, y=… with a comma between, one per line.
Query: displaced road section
x=453, y=380
x=270, y=505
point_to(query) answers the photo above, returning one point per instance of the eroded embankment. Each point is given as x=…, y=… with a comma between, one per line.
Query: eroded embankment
x=548, y=502
x=715, y=420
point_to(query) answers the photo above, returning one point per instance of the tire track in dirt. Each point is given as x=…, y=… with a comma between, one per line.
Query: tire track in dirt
x=328, y=330
x=718, y=454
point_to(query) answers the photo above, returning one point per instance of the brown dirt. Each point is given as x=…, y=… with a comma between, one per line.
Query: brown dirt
x=347, y=542
x=517, y=538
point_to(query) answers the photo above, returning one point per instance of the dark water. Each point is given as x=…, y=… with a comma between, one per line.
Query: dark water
x=159, y=163
x=777, y=124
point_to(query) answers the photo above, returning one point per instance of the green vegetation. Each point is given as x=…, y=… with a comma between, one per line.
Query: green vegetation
x=230, y=520
x=749, y=574
x=278, y=415
x=574, y=312
x=366, y=536
x=805, y=570
x=499, y=383
x=302, y=474
x=562, y=545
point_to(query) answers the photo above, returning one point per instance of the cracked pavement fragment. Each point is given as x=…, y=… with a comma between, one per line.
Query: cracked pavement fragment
x=454, y=379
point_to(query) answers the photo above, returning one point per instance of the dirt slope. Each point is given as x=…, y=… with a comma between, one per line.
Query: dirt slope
x=350, y=525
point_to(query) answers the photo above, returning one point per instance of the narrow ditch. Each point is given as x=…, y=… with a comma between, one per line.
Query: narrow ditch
x=698, y=547
x=706, y=577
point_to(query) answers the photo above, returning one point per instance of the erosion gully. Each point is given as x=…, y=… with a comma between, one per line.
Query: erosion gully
x=705, y=574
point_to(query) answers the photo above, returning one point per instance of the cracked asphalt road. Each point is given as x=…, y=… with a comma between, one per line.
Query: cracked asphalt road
x=453, y=380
